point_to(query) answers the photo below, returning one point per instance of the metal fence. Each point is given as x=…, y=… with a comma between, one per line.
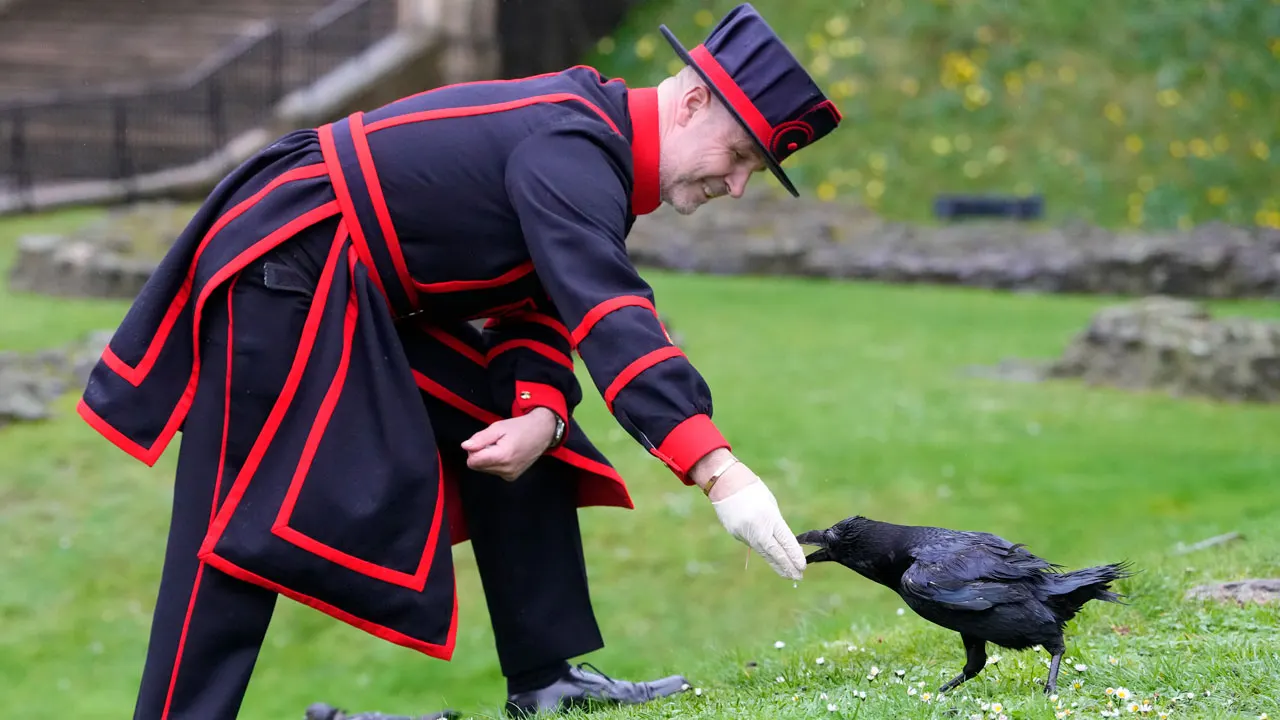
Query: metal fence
x=115, y=134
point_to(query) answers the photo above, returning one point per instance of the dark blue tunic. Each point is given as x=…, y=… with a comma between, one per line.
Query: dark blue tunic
x=505, y=200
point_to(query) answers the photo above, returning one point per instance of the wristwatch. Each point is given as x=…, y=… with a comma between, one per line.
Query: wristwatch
x=559, y=436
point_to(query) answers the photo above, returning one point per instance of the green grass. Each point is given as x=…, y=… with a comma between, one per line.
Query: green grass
x=1152, y=113
x=847, y=398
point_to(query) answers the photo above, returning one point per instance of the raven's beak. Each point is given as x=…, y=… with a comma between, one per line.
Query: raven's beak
x=815, y=537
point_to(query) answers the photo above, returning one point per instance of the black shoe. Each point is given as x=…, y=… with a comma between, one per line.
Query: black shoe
x=579, y=688
x=323, y=711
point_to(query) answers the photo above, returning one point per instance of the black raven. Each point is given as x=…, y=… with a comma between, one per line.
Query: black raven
x=978, y=584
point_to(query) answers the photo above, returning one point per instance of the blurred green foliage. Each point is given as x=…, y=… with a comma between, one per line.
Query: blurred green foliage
x=1143, y=113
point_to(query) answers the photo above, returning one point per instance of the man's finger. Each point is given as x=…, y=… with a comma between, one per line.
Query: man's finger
x=795, y=555
x=487, y=436
x=487, y=458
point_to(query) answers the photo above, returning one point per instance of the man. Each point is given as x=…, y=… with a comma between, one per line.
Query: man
x=343, y=422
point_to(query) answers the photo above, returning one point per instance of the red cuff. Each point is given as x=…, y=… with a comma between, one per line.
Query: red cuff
x=687, y=443
x=530, y=395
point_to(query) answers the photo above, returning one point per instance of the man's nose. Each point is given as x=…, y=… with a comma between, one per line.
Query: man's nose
x=737, y=183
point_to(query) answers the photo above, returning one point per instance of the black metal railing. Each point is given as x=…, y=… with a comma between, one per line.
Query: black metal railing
x=112, y=134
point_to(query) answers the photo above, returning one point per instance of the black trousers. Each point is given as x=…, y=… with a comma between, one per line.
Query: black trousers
x=208, y=627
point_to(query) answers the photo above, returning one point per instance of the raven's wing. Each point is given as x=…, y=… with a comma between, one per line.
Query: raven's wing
x=973, y=571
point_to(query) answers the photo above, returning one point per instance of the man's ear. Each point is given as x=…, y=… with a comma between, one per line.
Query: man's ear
x=695, y=100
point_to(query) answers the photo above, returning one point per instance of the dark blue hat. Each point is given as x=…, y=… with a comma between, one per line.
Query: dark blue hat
x=763, y=85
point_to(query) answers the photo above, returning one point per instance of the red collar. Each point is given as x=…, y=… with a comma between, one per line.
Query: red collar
x=642, y=103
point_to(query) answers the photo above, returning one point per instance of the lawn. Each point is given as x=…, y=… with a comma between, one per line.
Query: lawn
x=1145, y=113
x=847, y=398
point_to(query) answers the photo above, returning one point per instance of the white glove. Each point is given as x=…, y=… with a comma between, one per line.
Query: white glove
x=752, y=516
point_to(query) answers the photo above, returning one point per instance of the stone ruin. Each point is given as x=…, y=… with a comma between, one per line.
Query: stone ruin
x=30, y=383
x=767, y=234
x=108, y=258
x=1173, y=345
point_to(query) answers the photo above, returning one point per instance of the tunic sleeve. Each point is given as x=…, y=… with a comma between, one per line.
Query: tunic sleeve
x=530, y=363
x=569, y=186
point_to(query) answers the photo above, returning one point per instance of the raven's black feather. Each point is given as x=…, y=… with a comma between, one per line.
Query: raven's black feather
x=976, y=583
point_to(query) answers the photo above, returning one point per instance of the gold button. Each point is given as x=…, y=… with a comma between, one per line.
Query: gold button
x=525, y=395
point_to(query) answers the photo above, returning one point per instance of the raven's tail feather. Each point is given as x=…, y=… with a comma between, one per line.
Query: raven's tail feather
x=1069, y=591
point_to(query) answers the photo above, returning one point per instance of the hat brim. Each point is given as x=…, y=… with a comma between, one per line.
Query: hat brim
x=769, y=160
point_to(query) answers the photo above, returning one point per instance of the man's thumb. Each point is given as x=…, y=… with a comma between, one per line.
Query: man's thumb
x=485, y=437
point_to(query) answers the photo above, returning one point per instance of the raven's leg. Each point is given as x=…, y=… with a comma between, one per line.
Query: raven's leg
x=1056, y=649
x=975, y=658
x=1051, y=686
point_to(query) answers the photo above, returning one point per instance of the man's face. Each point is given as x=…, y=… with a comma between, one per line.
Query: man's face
x=705, y=155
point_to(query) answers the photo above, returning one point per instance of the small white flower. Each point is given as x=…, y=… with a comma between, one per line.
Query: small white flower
x=781, y=679
x=1081, y=667
x=899, y=673
x=1144, y=707
x=911, y=691
x=926, y=697
x=1122, y=693
x=1133, y=707
x=832, y=707
x=853, y=648
x=1263, y=716
x=820, y=661
x=779, y=644
x=1053, y=698
x=697, y=691
x=993, y=659
x=997, y=708
x=1113, y=661
x=901, y=611
x=685, y=686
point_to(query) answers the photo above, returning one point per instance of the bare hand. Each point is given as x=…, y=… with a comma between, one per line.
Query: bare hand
x=508, y=447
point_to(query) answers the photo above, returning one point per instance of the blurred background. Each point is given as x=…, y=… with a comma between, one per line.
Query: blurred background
x=1030, y=288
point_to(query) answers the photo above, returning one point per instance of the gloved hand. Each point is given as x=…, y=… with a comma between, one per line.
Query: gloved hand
x=750, y=513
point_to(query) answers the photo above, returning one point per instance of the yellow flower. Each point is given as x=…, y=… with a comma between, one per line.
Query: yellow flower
x=1260, y=150
x=837, y=25
x=844, y=88
x=849, y=47
x=940, y=145
x=820, y=65
x=1200, y=148
x=1178, y=150
x=1216, y=195
x=1133, y=144
x=1114, y=113
x=605, y=46
x=1274, y=44
x=1168, y=97
x=644, y=47
x=1221, y=143
x=975, y=96
x=957, y=68
x=875, y=189
x=826, y=191
x=1013, y=83
x=817, y=41
x=704, y=18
